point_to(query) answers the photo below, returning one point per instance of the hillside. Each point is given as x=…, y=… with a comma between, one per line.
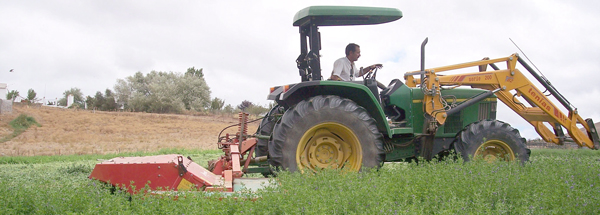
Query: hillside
x=68, y=131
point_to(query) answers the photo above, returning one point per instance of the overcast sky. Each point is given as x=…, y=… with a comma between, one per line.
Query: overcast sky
x=245, y=47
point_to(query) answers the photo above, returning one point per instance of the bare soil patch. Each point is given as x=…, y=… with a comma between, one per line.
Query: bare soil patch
x=68, y=131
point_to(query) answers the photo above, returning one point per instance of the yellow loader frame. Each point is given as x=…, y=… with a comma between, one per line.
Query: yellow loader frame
x=500, y=82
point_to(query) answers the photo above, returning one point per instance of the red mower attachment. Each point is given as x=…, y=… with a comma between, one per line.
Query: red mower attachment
x=178, y=173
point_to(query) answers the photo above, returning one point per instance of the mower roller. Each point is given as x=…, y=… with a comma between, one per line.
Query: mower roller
x=179, y=173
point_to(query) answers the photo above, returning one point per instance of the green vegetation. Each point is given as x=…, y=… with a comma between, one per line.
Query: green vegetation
x=198, y=155
x=216, y=104
x=154, y=92
x=20, y=124
x=252, y=109
x=554, y=182
x=32, y=96
x=164, y=92
x=12, y=95
x=103, y=102
x=78, y=99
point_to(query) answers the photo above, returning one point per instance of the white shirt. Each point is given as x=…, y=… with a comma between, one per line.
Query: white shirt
x=342, y=67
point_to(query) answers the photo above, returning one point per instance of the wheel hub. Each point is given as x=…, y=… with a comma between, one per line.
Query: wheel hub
x=494, y=150
x=329, y=145
x=326, y=151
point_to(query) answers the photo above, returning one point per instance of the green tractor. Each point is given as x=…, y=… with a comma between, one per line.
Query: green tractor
x=318, y=124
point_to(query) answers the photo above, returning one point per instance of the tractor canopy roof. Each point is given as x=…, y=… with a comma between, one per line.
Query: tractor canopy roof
x=345, y=15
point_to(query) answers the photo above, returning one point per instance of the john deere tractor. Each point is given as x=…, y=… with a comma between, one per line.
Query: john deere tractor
x=318, y=124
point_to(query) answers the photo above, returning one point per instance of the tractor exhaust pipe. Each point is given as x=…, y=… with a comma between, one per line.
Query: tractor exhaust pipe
x=423, y=59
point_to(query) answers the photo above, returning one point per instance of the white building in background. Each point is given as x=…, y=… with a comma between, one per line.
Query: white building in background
x=70, y=99
x=3, y=90
x=5, y=105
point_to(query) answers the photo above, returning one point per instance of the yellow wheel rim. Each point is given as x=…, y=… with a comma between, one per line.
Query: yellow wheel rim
x=494, y=150
x=329, y=145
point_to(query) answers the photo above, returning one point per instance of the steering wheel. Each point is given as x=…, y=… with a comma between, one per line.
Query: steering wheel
x=372, y=74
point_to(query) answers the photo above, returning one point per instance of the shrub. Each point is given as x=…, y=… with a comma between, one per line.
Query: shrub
x=20, y=124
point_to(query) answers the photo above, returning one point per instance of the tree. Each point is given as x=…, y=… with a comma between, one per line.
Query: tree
x=195, y=72
x=165, y=96
x=109, y=101
x=216, y=104
x=77, y=98
x=98, y=101
x=156, y=92
x=194, y=90
x=228, y=109
x=102, y=102
x=256, y=110
x=31, y=96
x=12, y=95
x=164, y=92
x=89, y=102
x=123, y=93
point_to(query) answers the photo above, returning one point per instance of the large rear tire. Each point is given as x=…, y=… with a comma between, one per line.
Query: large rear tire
x=326, y=132
x=265, y=129
x=491, y=140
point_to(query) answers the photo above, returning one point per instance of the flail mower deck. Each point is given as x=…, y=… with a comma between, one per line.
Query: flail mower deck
x=178, y=173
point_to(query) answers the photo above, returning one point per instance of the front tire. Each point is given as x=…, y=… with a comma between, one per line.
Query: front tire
x=491, y=140
x=326, y=132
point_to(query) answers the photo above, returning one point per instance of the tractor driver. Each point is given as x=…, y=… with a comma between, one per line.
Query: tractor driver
x=344, y=68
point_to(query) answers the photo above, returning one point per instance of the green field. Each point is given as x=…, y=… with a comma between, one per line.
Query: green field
x=554, y=182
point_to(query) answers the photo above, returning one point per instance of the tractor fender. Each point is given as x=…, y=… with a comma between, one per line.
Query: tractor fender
x=355, y=91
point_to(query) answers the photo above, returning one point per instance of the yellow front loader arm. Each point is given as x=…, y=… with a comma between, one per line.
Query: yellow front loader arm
x=500, y=82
